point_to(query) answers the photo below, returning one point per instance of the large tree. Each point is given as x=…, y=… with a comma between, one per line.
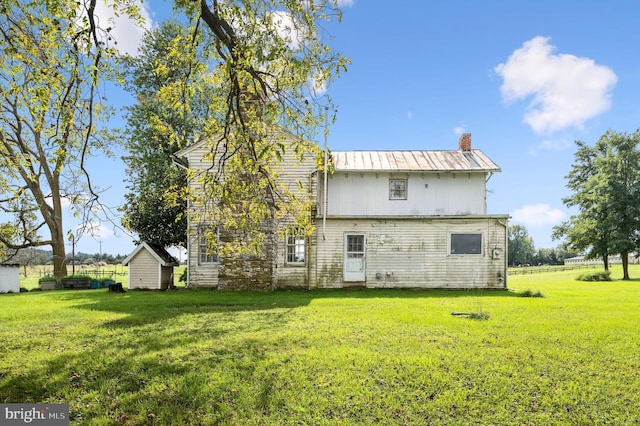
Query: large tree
x=270, y=65
x=605, y=180
x=158, y=126
x=521, y=248
x=55, y=57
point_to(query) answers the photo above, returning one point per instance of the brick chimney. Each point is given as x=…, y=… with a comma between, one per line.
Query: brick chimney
x=465, y=142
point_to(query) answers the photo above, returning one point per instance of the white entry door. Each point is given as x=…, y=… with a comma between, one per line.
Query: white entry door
x=354, y=257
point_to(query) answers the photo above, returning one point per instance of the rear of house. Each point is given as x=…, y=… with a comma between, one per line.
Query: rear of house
x=443, y=252
x=383, y=219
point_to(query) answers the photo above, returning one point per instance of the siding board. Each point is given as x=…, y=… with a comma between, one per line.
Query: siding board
x=408, y=253
x=143, y=271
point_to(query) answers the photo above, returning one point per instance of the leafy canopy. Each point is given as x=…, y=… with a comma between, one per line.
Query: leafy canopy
x=605, y=180
x=54, y=59
x=267, y=68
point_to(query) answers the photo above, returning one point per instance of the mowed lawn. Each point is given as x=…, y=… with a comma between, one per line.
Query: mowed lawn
x=330, y=357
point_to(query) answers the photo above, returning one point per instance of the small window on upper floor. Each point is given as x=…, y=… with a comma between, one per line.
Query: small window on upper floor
x=397, y=189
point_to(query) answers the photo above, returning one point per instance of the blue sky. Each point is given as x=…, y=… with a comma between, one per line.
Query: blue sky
x=526, y=78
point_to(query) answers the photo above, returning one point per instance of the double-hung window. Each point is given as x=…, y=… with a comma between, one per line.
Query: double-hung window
x=295, y=246
x=207, y=244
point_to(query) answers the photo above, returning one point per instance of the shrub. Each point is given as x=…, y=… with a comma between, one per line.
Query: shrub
x=481, y=316
x=598, y=276
x=76, y=277
x=47, y=278
x=529, y=293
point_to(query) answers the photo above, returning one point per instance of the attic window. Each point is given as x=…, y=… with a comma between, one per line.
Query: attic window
x=397, y=189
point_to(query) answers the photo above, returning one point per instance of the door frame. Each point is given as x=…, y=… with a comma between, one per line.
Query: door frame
x=360, y=275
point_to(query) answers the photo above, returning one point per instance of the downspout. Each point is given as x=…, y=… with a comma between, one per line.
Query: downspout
x=184, y=164
x=309, y=238
x=506, y=251
x=485, y=190
x=325, y=174
x=325, y=171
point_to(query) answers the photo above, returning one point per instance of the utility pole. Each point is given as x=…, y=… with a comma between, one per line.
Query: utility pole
x=73, y=254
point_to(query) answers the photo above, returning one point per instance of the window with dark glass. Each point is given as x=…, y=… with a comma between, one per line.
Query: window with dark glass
x=466, y=243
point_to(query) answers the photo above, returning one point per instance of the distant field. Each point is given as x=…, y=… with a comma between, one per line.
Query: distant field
x=118, y=272
x=400, y=357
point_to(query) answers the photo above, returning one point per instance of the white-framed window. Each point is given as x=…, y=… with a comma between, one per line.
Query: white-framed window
x=466, y=243
x=295, y=246
x=207, y=241
x=397, y=189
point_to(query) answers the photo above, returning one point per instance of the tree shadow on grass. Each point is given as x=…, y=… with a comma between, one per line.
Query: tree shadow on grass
x=156, y=360
x=167, y=357
x=144, y=307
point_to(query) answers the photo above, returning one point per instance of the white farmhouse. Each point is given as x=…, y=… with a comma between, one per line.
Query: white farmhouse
x=384, y=219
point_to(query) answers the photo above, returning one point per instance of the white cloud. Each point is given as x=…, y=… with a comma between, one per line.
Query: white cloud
x=459, y=130
x=64, y=202
x=567, y=90
x=95, y=230
x=126, y=32
x=538, y=215
x=317, y=86
x=557, y=144
x=345, y=3
x=287, y=29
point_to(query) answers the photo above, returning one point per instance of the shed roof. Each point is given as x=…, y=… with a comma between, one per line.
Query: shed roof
x=159, y=253
x=414, y=161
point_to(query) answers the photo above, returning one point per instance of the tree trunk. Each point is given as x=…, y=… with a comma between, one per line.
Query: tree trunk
x=605, y=260
x=625, y=265
x=59, y=252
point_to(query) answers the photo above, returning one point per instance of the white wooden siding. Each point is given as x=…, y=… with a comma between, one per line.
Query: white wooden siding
x=143, y=271
x=9, y=279
x=407, y=241
x=406, y=253
x=290, y=173
x=428, y=194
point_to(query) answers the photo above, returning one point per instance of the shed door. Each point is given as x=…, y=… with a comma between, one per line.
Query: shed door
x=354, y=257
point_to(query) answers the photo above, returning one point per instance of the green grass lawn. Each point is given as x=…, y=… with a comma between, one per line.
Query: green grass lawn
x=330, y=357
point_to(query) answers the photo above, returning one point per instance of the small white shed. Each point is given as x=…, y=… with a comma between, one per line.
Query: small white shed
x=9, y=278
x=150, y=266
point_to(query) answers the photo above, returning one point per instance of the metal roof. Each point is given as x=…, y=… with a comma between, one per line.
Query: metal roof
x=413, y=161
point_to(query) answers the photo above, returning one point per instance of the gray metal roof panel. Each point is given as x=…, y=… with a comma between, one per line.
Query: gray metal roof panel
x=412, y=161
